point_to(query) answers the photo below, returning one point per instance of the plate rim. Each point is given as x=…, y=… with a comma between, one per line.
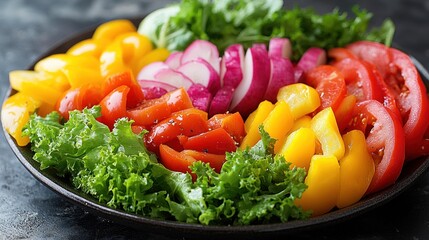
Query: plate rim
x=168, y=227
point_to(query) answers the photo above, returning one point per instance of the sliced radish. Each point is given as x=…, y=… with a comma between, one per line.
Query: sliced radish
x=222, y=100
x=200, y=96
x=252, y=88
x=312, y=58
x=231, y=66
x=280, y=47
x=149, y=71
x=281, y=74
x=153, y=92
x=260, y=45
x=173, y=78
x=155, y=83
x=202, y=49
x=173, y=61
x=200, y=71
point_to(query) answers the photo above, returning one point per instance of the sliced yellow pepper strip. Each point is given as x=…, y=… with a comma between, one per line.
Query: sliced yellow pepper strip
x=253, y=122
x=110, y=30
x=16, y=112
x=323, y=181
x=278, y=123
x=299, y=147
x=325, y=127
x=356, y=169
x=301, y=98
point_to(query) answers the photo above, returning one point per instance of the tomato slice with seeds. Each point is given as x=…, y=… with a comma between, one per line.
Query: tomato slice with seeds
x=127, y=79
x=360, y=79
x=216, y=141
x=385, y=141
x=188, y=122
x=329, y=83
x=114, y=106
x=410, y=93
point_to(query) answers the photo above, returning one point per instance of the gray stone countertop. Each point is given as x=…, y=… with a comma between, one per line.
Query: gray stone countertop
x=29, y=210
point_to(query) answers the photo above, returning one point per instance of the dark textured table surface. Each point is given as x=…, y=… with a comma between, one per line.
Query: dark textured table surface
x=29, y=210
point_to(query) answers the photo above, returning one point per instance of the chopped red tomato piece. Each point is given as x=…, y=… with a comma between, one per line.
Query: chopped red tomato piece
x=233, y=123
x=125, y=78
x=216, y=141
x=113, y=106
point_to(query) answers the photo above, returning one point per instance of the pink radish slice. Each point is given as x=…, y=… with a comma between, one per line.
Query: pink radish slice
x=173, y=78
x=154, y=89
x=200, y=96
x=260, y=45
x=222, y=100
x=173, y=61
x=200, y=71
x=231, y=67
x=149, y=71
x=155, y=83
x=281, y=74
x=252, y=88
x=312, y=58
x=298, y=73
x=202, y=49
x=153, y=92
x=280, y=47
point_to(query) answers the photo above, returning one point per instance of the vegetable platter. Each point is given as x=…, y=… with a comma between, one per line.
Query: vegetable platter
x=162, y=210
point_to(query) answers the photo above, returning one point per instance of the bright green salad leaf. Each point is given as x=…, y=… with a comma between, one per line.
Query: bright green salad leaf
x=225, y=22
x=254, y=186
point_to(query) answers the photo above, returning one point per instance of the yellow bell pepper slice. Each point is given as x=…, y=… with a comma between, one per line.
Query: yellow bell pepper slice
x=111, y=60
x=56, y=63
x=18, y=78
x=134, y=46
x=325, y=127
x=91, y=47
x=302, y=122
x=252, y=123
x=78, y=76
x=299, y=148
x=356, y=169
x=16, y=113
x=323, y=181
x=278, y=123
x=110, y=30
x=301, y=98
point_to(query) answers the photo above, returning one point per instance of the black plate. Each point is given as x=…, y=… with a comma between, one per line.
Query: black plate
x=411, y=171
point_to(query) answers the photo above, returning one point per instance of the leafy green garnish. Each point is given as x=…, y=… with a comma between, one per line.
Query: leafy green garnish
x=225, y=22
x=254, y=186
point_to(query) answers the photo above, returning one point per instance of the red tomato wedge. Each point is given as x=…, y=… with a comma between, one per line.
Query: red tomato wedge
x=233, y=123
x=360, y=79
x=374, y=53
x=77, y=99
x=410, y=93
x=338, y=54
x=113, y=106
x=188, y=122
x=329, y=83
x=150, y=114
x=385, y=141
x=125, y=78
x=216, y=141
x=215, y=160
x=174, y=160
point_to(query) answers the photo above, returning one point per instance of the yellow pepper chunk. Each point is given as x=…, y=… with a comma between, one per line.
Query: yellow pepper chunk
x=111, y=60
x=302, y=122
x=78, y=76
x=15, y=114
x=356, y=169
x=299, y=148
x=323, y=181
x=278, y=123
x=325, y=127
x=91, y=47
x=56, y=63
x=18, y=78
x=134, y=46
x=110, y=30
x=253, y=122
x=301, y=98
